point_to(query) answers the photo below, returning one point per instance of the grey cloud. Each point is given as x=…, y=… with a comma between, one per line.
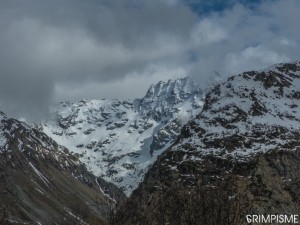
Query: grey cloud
x=72, y=49
x=251, y=38
x=45, y=44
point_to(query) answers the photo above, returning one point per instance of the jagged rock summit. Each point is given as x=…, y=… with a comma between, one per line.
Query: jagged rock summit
x=119, y=140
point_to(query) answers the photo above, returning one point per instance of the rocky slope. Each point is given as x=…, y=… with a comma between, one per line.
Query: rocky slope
x=42, y=183
x=119, y=140
x=239, y=155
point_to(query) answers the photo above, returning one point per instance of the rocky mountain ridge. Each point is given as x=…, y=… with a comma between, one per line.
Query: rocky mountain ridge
x=41, y=182
x=241, y=153
x=248, y=114
x=119, y=140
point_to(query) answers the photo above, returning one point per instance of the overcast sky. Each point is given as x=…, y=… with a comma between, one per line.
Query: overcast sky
x=58, y=50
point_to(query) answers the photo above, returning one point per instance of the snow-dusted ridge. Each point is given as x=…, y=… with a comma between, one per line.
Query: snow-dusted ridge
x=248, y=114
x=42, y=177
x=30, y=141
x=119, y=140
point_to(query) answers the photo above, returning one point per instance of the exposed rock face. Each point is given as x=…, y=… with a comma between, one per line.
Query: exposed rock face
x=119, y=140
x=42, y=183
x=242, y=152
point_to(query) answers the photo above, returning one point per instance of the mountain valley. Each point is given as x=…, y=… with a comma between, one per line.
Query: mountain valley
x=179, y=155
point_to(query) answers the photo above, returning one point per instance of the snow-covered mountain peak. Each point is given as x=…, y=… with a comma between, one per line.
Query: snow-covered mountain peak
x=169, y=94
x=119, y=140
x=171, y=87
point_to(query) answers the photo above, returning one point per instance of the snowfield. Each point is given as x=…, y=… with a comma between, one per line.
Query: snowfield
x=119, y=140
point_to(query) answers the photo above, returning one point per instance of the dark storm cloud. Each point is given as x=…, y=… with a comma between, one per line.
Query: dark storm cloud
x=58, y=50
x=45, y=44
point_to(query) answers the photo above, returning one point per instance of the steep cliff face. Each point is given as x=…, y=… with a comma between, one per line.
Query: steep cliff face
x=42, y=183
x=119, y=140
x=241, y=153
